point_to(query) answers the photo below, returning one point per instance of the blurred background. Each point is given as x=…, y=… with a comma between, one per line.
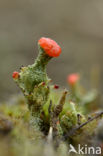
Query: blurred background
x=76, y=25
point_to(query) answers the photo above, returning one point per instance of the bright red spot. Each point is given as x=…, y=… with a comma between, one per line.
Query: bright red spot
x=50, y=47
x=56, y=86
x=73, y=78
x=15, y=75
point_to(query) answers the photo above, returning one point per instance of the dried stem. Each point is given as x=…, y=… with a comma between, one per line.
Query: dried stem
x=73, y=131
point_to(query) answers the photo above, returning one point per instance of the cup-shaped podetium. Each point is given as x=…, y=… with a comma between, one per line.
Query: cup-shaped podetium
x=31, y=78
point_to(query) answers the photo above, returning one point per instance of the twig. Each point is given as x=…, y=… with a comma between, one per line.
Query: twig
x=73, y=131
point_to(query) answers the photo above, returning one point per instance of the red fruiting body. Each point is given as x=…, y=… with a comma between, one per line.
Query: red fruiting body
x=73, y=78
x=43, y=83
x=56, y=86
x=50, y=47
x=15, y=75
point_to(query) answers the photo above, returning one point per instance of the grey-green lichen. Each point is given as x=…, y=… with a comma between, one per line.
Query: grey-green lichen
x=31, y=78
x=64, y=118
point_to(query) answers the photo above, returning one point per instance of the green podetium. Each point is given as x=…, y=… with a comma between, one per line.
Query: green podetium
x=33, y=79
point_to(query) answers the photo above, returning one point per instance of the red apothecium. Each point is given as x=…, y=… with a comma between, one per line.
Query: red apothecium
x=15, y=75
x=50, y=47
x=73, y=78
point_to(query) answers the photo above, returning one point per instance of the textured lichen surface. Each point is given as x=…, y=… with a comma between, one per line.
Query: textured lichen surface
x=47, y=119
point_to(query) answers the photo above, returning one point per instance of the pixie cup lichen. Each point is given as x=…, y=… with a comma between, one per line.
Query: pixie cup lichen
x=52, y=113
x=33, y=79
